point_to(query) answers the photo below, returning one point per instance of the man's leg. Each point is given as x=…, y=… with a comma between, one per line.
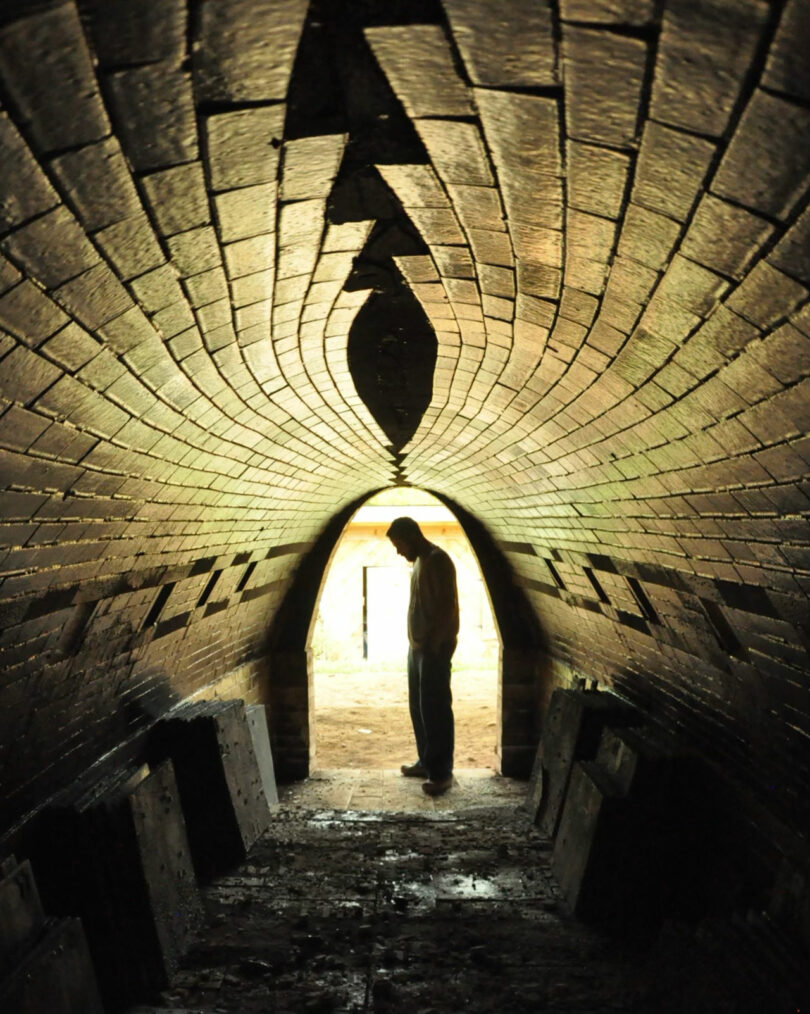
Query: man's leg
x=437, y=714
x=414, y=703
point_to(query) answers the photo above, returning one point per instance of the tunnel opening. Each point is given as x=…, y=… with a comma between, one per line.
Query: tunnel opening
x=524, y=678
x=358, y=643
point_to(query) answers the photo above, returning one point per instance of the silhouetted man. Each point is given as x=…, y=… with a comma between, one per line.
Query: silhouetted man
x=432, y=633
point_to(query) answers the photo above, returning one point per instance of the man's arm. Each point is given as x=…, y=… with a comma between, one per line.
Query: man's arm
x=439, y=601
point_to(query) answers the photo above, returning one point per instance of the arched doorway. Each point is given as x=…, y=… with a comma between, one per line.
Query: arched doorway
x=359, y=643
x=525, y=677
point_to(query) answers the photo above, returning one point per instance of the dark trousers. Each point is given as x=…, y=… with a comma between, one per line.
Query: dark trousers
x=431, y=704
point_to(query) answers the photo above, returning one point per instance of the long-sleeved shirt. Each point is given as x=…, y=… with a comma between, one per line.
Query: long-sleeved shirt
x=433, y=608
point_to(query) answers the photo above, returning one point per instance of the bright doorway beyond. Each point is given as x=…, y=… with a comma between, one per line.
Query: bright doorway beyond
x=359, y=644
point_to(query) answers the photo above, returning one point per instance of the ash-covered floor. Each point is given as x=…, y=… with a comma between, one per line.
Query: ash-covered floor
x=446, y=909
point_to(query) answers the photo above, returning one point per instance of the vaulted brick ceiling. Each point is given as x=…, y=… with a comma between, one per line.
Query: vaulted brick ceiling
x=262, y=257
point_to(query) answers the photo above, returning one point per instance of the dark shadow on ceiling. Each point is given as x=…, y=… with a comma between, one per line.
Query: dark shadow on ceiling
x=392, y=357
x=338, y=87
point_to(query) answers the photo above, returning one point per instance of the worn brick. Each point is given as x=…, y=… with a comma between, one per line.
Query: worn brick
x=207, y=287
x=724, y=237
x=786, y=71
x=415, y=185
x=418, y=63
x=129, y=330
x=479, y=207
x=247, y=48
x=726, y=332
x=604, y=74
x=29, y=314
x=513, y=50
x=243, y=146
x=703, y=57
x=618, y=12
x=53, y=248
x=792, y=252
x=491, y=247
x=671, y=169
x=310, y=166
x=49, y=47
x=26, y=190
x=94, y=298
x=177, y=198
x=522, y=133
x=19, y=429
x=647, y=237
x=155, y=115
x=597, y=178
x=9, y=275
x=131, y=246
x=96, y=181
x=126, y=32
x=767, y=169
x=248, y=211
x=785, y=353
x=248, y=256
x=453, y=262
x=26, y=375
x=692, y=286
x=157, y=288
x=64, y=443
x=766, y=296
x=194, y=251
x=439, y=226
x=457, y=152
x=28, y=473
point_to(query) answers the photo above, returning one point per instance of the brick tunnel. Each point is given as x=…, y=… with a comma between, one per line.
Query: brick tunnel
x=546, y=260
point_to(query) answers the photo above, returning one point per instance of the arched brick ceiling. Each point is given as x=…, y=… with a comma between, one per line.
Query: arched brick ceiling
x=599, y=206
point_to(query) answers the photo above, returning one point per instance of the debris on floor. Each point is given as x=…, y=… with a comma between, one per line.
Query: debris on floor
x=447, y=910
x=444, y=905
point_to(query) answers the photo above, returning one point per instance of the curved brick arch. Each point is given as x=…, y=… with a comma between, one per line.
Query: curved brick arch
x=602, y=208
x=524, y=667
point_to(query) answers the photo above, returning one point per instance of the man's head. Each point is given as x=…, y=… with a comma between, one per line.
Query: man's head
x=407, y=537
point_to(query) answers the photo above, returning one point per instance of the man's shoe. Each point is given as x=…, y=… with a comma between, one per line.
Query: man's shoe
x=438, y=786
x=416, y=770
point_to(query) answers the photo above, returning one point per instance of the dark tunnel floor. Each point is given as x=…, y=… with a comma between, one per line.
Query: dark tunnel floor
x=348, y=911
x=339, y=911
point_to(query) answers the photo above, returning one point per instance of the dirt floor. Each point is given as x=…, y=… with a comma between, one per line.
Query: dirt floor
x=362, y=721
x=342, y=913
x=364, y=912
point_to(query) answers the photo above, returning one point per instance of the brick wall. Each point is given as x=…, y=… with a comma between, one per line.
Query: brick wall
x=602, y=207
